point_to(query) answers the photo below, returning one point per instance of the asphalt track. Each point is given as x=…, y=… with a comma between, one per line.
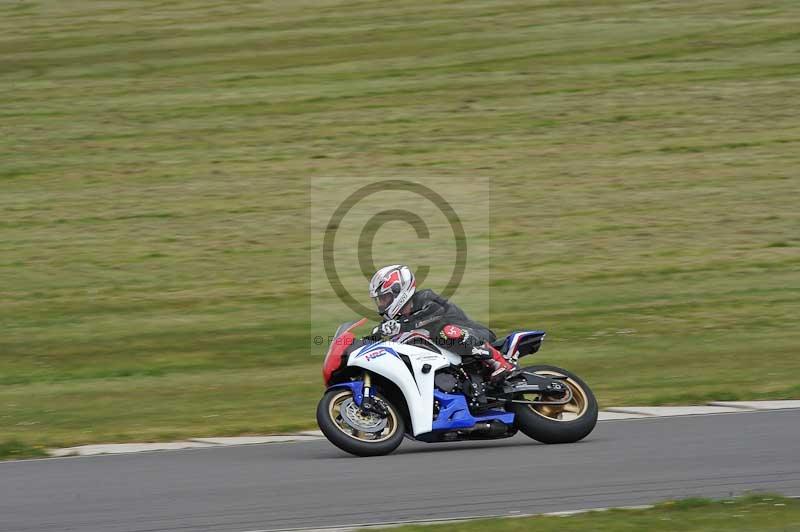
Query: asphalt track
x=312, y=484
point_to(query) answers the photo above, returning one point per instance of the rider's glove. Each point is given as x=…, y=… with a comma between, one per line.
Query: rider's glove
x=374, y=336
x=390, y=328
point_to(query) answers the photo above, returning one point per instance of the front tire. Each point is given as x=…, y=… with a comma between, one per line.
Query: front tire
x=558, y=424
x=351, y=430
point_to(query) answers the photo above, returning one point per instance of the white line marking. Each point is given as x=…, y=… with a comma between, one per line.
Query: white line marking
x=671, y=411
x=447, y=520
x=613, y=414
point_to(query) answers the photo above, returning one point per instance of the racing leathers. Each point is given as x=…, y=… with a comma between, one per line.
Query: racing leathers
x=447, y=325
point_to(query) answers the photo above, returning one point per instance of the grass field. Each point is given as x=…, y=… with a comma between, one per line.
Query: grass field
x=754, y=513
x=154, y=210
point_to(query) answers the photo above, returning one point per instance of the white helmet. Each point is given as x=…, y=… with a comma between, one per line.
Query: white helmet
x=391, y=288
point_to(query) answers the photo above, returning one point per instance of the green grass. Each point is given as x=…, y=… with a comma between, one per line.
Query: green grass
x=154, y=209
x=751, y=513
x=15, y=450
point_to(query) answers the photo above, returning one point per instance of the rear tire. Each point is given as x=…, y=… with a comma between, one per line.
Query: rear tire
x=549, y=424
x=360, y=443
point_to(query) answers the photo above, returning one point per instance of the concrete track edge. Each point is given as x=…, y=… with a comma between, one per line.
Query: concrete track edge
x=610, y=414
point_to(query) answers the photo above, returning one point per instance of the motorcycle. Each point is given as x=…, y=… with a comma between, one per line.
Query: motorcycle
x=378, y=392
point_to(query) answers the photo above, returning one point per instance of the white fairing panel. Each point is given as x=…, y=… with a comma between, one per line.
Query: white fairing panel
x=383, y=358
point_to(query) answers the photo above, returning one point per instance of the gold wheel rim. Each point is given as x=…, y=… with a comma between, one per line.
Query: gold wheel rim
x=571, y=411
x=334, y=410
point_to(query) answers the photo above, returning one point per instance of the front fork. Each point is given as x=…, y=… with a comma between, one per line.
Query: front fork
x=369, y=404
x=367, y=385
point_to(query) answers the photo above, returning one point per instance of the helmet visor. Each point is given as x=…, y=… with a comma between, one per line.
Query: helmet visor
x=383, y=301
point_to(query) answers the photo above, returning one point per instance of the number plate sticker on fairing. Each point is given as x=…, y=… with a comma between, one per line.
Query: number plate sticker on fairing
x=377, y=352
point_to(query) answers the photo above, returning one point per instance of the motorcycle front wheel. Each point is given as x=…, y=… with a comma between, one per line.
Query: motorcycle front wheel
x=565, y=423
x=358, y=432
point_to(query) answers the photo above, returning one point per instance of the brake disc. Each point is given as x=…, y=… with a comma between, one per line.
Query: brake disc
x=360, y=420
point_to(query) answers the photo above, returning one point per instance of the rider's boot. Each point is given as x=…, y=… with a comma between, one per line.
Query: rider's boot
x=495, y=361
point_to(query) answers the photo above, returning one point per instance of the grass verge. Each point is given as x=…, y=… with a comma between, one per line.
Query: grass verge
x=16, y=450
x=154, y=209
x=746, y=514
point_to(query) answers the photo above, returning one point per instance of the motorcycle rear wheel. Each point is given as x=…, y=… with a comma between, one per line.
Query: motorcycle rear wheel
x=558, y=424
x=355, y=432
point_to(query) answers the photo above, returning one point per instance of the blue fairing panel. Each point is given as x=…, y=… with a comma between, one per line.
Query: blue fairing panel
x=357, y=387
x=454, y=413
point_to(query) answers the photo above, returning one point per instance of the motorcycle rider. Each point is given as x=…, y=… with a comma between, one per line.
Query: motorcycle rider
x=404, y=310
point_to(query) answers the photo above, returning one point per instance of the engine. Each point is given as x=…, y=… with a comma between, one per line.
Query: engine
x=447, y=382
x=457, y=381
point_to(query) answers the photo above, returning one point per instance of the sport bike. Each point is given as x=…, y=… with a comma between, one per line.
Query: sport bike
x=411, y=386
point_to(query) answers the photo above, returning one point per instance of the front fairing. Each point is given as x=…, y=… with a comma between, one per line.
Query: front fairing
x=409, y=367
x=371, y=349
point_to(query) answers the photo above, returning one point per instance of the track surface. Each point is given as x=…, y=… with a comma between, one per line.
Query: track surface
x=312, y=484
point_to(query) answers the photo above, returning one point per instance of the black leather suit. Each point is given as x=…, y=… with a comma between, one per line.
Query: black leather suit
x=444, y=323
